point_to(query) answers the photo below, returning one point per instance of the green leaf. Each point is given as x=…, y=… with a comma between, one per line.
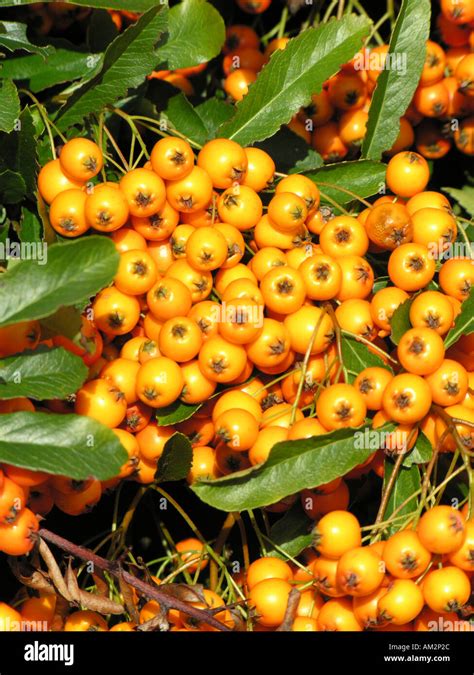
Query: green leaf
x=30, y=226
x=175, y=413
x=356, y=356
x=381, y=282
x=464, y=197
x=292, y=533
x=400, y=321
x=64, y=64
x=364, y=177
x=213, y=113
x=464, y=324
x=69, y=445
x=287, y=82
x=396, y=85
x=74, y=270
x=42, y=374
x=131, y=5
x=406, y=484
x=126, y=63
x=176, y=459
x=196, y=35
x=288, y=150
x=66, y=321
x=10, y=109
x=13, y=36
x=184, y=117
x=12, y=187
x=18, y=151
x=312, y=161
x=291, y=466
x=421, y=452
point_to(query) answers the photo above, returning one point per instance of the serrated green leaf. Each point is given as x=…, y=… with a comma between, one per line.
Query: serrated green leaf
x=291, y=466
x=406, y=484
x=356, y=356
x=464, y=324
x=464, y=197
x=42, y=374
x=10, y=109
x=287, y=149
x=287, y=82
x=13, y=36
x=292, y=533
x=74, y=270
x=30, y=226
x=64, y=64
x=175, y=413
x=396, y=85
x=400, y=321
x=12, y=187
x=213, y=113
x=176, y=459
x=18, y=151
x=184, y=117
x=69, y=445
x=364, y=178
x=126, y=63
x=196, y=35
x=312, y=161
x=421, y=452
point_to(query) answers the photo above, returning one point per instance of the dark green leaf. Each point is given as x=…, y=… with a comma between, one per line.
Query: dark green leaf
x=364, y=178
x=175, y=413
x=184, y=117
x=126, y=63
x=287, y=149
x=406, y=484
x=69, y=445
x=66, y=321
x=13, y=36
x=64, y=64
x=397, y=82
x=41, y=375
x=464, y=324
x=196, y=34
x=101, y=31
x=292, y=533
x=400, y=321
x=74, y=270
x=213, y=113
x=356, y=356
x=312, y=161
x=176, y=460
x=10, y=109
x=12, y=187
x=287, y=82
x=464, y=197
x=30, y=226
x=18, y=151
x=292, y=466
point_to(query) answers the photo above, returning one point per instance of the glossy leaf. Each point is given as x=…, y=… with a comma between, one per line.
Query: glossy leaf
x=69, y=445
x=42, y=374
x=175, y=413
x=292, y=532
x=464, y=323
x=127, y=61
x=364, y=178
x=10, y=108
x=176, y=460
x=292, y=466
x=400, y=321
x=287, y=82
x=13, y=36
x=74, y=270
x=406, y=484
x=356, y=356
x=397, y=82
